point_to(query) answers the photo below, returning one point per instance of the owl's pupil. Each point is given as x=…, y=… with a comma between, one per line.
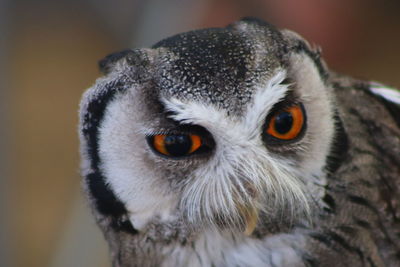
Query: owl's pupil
x=283, y=122
x=178, y=145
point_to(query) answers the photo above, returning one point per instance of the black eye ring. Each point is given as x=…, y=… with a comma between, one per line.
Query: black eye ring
x=175, y=145
x=194, y=140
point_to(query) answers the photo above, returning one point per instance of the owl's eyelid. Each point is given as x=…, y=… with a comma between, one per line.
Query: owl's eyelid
x=183, y=129
x=171, y=132
x=290, y=100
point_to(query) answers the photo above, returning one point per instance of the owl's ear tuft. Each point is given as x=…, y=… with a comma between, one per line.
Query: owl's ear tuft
x=298, y=44
x=107, y=63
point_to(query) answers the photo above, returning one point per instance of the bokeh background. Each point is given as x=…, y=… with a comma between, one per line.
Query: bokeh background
x=48, y=55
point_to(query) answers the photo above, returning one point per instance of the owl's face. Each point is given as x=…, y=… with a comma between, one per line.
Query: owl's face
x=216, y=127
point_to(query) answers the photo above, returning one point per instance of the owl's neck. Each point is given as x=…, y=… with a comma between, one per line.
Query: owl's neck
x=164, y=245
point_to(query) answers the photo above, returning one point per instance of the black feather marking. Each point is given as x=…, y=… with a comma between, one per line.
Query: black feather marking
x=397, y=255
x=342, y=242
x=323, y=238
x=125, y=226
x=105, y=200
x=349, y=230
x=362, y=201
x=330, y=238
x=302, y=47
x=362, y=223
x=309, y=260
x=330, y=201
x=339, y=147
x=371, y=262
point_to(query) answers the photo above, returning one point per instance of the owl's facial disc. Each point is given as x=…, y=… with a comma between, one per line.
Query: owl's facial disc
x=245, y=169
x=242, y=143
x=212, y=164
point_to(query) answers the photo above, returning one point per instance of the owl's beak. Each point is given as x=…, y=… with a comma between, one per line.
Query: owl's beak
x=250, y=215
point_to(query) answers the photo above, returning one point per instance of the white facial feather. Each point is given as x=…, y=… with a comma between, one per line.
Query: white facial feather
x=320, y=123
x=121, y=146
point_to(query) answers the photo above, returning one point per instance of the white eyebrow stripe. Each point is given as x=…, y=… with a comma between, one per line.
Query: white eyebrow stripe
x=264, y=99
x=216, y=119
x=208, y=116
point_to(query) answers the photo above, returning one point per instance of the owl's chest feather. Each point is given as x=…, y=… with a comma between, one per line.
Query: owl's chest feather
x=212, y=248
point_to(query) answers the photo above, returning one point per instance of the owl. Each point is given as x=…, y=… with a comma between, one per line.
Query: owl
x=237, y=146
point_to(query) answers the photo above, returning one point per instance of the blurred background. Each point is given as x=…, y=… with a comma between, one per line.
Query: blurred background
x=48, y=56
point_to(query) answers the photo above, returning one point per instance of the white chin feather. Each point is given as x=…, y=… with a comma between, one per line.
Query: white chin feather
x=250, y=179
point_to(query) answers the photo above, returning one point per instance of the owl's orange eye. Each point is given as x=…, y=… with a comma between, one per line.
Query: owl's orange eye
x=176, y=145
x=286, y=124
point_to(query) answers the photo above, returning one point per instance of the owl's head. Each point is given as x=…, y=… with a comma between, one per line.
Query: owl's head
x=216, y=127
